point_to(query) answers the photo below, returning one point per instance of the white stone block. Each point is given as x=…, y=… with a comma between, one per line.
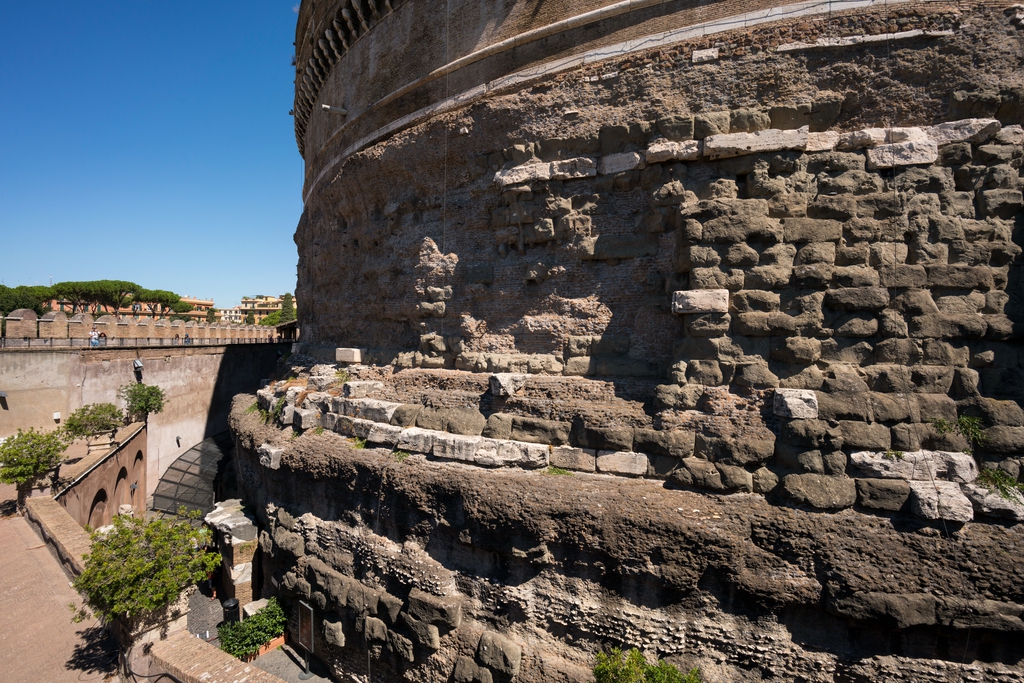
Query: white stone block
x=861, y=139
x=708, y=55
x=375, y=410
x=1011, y=135
x=241, y=573
x=822, y=142
x=940, y=500
x=669, y=150
x=253, y=607
x=388, y=435
x=966, y=130
x=520, y=175
x=520, y=454
x=619, y=163
x=902, y=154
x=737, y=144
x=507, y=383
x=487, y=453
x=306, y=418
x=348, y=355
x=911, y=134
x=362, y=428
x=288, y=415
x=360, y=389
x=270, y=456
x=801, y=404
x=685, y=302
x=622, y=462
x=579, y=167
x=988, y=502
x=572, y=458
x=329, y=421
x=917, y=465
x=455, y=447
x=416, y=440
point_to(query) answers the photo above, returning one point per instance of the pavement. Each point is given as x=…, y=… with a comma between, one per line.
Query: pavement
x=287, y=664
x=38, y=641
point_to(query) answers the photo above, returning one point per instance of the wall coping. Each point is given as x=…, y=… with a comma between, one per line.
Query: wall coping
x=60, y=531
x=126, y=436
x=193, y=660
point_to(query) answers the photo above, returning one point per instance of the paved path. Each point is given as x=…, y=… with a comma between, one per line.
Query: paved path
x=287, y=664
x=38, y=642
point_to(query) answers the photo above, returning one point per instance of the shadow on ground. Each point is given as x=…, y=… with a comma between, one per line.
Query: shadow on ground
x=95, y=654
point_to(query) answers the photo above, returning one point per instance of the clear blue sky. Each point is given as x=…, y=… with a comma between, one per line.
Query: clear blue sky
x=149, y=141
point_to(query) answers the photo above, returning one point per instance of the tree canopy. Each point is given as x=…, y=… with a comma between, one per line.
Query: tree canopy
x=272, y=319
x=142, y=399
x=92, y=419
x=287, y=308
x=26, y=457
x=250, y=318
x=139, y=567
x=211, y=315
x=25, y=296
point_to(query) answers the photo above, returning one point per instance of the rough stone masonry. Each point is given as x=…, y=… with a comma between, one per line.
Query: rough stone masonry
x=755, y=284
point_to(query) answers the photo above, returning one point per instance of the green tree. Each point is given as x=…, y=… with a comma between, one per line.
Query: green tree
x=159, y=301
x=78, y=294
x=211, y=315
x=619, y=667
x=139, y=567
x=27, y=457
x=93, y=419
x=244, y=638
x=35, y=298
x=272, y=319
x=114, y=293
x=141, y=400
x=250, y=318
x=287, y=308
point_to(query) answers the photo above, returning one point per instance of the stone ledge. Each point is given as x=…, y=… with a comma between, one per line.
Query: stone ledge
x=60, y=531
x=193, y=660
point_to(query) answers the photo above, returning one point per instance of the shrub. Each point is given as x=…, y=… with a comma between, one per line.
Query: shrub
x=244, y=638
x=138, y=567
x=557, y=470
x=1000, y=482
x=142, y=399
x=26, y=457
x=93, y=419
x=971, y=428
x=631, y=667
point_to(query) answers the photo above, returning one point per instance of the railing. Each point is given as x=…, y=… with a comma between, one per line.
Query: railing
x=123, y=342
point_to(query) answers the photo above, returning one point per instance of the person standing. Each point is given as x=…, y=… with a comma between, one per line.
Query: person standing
x=94, y=337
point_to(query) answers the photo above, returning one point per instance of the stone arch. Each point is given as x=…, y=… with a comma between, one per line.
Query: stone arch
x=121, y=489
x=98, y=510
x=138, y=471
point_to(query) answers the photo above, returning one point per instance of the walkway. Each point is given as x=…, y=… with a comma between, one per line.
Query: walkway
x=38, y=642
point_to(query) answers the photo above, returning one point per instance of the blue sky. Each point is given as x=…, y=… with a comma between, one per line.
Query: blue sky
x=149, y=141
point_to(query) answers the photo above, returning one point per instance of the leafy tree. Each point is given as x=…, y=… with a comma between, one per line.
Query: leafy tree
x=78, y=294
x=242, y=639
x=93, y=419
x=159, y=301
x=250, y=318
x=287, y=308
x=619, y=667
x=24, y=296
x=142, y=399
x=26, y=457
x=211, y=315
x=272, y=319
x=139, y=567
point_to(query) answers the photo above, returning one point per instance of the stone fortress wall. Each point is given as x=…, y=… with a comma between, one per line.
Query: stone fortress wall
x=743, y=254
x=23, y=328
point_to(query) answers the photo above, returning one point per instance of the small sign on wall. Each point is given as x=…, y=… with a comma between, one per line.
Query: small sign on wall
x=306, y=626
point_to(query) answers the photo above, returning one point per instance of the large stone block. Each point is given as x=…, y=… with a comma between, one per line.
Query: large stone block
x=902, y=154
x=940, y=500
x=883, y=494
x=536, y=430
x=468, y=671
x=521, y=175
x=796, y=403
x=620, y=163
x=667, y=150
x=965, y=130
x=571, y=458
x=578, y=167
x=454, y=447
x=922, y=465
x=738, y=144
x=443, y=611
x=348, y=355
x=506, y=383
x=989, y=502
x=819, y=491
x=270, y=456
x=621, y=462
x=701, y=301
x=360, y=389
x=498, y=653
x=416, y=440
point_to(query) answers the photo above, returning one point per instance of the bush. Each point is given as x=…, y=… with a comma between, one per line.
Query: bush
x=631, y=667
x=26, y=457
x=93, y=419
x=245, y=638
x=142, y=399
x=1001, y=483
x=139, y=567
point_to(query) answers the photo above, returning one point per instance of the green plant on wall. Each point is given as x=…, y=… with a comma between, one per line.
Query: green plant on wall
x=1002, y=484
x=245, y=638
x=971, y=428
x=93, y=419
x=617, y=666
x=141, y=400
x=138, y=567
x=28, y=456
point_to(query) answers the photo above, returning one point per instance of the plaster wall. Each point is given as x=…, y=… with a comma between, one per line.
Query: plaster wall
x=198, y=382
